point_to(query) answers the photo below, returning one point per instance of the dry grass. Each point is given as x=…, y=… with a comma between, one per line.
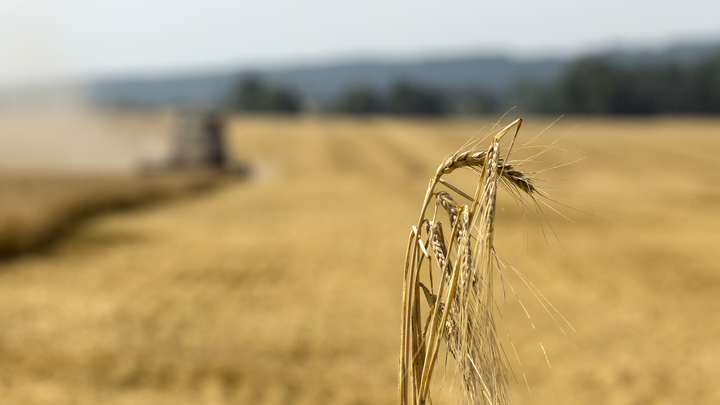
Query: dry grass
x=285, y=290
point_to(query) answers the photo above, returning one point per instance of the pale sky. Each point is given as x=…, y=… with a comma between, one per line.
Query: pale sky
x=50, y=39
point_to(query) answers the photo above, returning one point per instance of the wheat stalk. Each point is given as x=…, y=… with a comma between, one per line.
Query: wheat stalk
x=461, y=313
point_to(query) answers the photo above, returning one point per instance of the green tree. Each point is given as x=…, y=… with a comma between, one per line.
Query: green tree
x=476, y=102
x=254, y=95
x=676, y=94
x=705, y=85
x=411, y=99
x=589, y=86
x=360, y=100
x=531, y=96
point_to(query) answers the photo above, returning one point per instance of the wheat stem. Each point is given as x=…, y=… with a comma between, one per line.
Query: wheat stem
x=461, y=312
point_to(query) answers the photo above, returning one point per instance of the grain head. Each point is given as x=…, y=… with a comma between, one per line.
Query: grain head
x=461, y=310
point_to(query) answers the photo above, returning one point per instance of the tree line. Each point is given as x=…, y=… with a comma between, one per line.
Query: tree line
x=596, y=86
x=588, y=86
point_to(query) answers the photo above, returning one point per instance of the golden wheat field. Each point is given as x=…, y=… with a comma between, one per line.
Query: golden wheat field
x=36, y=209
x=286, y=288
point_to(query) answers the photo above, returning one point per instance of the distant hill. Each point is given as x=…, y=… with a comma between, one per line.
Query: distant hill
x=324, y=84
x=682, y=54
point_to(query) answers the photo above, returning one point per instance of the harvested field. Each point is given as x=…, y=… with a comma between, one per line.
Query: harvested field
x=36, y=209
x=287, y=289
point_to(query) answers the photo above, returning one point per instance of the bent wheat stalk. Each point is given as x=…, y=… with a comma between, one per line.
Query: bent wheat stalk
x=461, y=312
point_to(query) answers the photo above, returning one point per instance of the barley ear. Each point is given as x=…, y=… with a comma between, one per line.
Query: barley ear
x=461, y=313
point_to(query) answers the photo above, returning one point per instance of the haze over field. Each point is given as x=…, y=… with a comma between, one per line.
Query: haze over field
x=44, y=39
x=73, y=140
x=483, y=58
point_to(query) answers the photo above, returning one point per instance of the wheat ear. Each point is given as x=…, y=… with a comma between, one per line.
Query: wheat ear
x=461, y=313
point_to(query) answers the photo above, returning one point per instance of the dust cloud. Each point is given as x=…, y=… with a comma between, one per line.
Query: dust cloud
x=46, y=121
x=72, y=138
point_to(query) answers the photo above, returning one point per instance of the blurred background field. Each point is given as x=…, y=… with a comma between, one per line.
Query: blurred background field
x=286, y=288
x=209, y=202
x=37, y=209
x=61, y=165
